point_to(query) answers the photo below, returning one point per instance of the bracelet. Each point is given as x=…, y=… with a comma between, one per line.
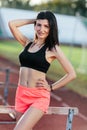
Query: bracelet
x=51, y=87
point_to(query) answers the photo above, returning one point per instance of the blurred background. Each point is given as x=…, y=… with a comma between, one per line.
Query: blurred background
x=72, y=26
x=71, y=18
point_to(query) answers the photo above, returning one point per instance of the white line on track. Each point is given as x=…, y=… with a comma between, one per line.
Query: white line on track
x=58, y=98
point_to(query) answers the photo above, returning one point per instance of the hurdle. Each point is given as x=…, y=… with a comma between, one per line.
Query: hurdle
x=6, y=84
x=69, y=111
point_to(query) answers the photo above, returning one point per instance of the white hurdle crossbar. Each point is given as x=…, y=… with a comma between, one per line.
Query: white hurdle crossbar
x=69, y=111
x=8, y=110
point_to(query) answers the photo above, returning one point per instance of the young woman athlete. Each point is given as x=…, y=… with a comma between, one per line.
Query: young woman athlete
x=33, y=92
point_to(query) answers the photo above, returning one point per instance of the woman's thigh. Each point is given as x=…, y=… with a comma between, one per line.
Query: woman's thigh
x=18, y=115
x=29, y=119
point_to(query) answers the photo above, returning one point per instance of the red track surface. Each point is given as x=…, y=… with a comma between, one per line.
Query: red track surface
x=61, y=97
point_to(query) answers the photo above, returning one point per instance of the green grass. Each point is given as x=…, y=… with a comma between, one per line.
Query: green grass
x=74, y=54
x=11, y=50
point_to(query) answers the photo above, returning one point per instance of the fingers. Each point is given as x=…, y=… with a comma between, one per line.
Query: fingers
x=43, y=83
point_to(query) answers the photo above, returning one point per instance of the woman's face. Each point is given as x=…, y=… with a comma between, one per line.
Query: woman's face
x=42, y=28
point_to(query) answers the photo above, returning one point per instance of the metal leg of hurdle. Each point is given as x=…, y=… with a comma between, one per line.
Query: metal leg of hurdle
x=6, y=86
x=70, y=119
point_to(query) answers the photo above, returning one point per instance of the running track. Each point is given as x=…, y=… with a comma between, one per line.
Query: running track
x=61, y=97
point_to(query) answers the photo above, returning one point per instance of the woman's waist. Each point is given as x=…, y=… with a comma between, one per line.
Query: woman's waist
x=26, y=85
x=29, y=82
x=29, y=77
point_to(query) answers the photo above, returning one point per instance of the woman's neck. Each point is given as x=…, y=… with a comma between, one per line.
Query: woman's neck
x=39, y=41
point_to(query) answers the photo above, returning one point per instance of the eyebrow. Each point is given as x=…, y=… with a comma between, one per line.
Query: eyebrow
x=46, y=24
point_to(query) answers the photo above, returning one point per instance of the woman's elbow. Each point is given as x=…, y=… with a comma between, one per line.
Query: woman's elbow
x=73, y=75
x=11, y=26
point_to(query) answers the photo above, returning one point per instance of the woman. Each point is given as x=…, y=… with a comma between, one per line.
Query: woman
x=33, y=91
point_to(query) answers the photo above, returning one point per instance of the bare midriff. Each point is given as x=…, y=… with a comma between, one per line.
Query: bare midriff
x=28, y=77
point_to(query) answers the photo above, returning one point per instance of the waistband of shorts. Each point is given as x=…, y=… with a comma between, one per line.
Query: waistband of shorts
x=31, y=88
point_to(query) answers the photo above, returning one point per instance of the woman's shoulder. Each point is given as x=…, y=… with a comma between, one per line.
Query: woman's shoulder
x=28, y=43
x=57, y=51
x=56, y=48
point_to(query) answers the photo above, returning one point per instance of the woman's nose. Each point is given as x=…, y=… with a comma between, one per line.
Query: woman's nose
x=42, y=28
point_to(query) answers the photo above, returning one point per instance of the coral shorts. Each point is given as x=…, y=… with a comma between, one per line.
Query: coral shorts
x=35, y=97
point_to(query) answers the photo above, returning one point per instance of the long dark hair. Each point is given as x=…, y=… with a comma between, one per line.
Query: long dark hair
x=52, y=38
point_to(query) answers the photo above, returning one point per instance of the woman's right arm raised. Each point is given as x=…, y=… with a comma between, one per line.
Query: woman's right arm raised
x=14, y=24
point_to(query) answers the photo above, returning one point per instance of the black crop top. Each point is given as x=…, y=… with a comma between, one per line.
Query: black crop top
x=34, y=60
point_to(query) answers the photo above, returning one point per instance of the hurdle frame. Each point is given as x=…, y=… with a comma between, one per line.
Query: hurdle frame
x=69, y=111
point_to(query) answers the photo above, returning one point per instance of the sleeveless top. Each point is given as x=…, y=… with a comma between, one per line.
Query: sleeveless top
x=35, y=60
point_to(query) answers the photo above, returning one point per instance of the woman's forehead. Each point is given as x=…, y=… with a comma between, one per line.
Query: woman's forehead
x=45, y=21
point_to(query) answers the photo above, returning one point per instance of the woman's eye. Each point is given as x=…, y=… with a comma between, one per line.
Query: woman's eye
x=46, y=26
x=38, y=24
